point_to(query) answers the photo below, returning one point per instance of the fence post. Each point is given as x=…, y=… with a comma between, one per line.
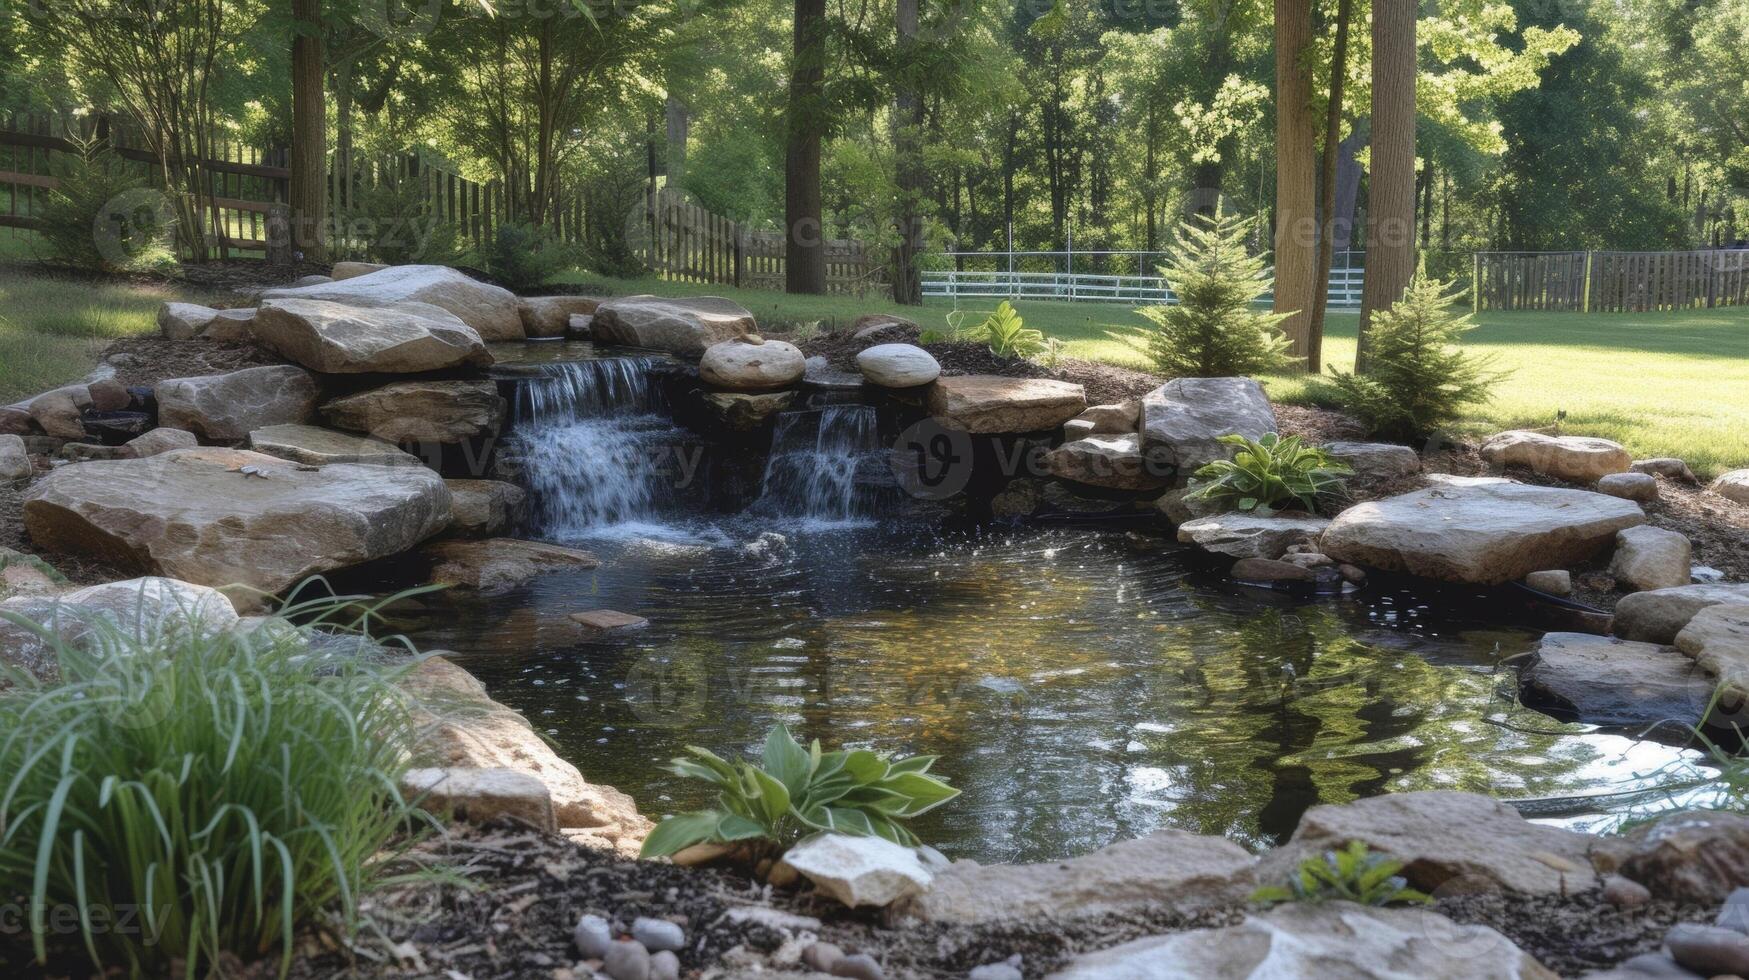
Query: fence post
x=1475, y=282
x=1585, y=306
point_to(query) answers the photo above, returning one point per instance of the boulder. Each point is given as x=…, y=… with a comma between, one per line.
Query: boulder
x=1648, y=557
x=108, y=395
x=550, y=316
x=1600, y=680
x=492, y=312
x=1169, y=869
x=421, y=411
x=751, y=364
x=1180, y=507
x=15, y=420
x=15, y=462
x=898, y=365
x=352, y=270
x=497, y=564
x=859, y=870
x=1642, y=487
x=1554, y=581
x=886, y=327
x=227, y=407
x=1657, y=616
x=1668, y=467
x=314, y=279
x=28, y=576
x=60, y=413
x=483, y=508
x=481, y=795
x=235, y=326
x=1441, y=837
x=1375, y=462
x=182, y=321
x=1581, y=459
x=1718, y=640
x=1118, y=417
x=195, y=514
x=743, y=412
x=319, y=447
x=1112, y=461
x=1479, y=530
x=1186, y=417
x=686, y=325
x=142, y=610
x=1733, y=485
x=1693, y=856
x=581, y=326
x=1326, y=940
x=334, y=338
x=161, y=440
x=1251, y=535
x=1269, y=571
x=985, y=404
x=460, y=726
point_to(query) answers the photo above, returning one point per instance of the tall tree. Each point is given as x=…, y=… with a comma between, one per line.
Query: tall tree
x=913, y=178
x=1390, y=218
x=1296, y=172
x=1327, y=192
x=804, y=231
x=306, y=192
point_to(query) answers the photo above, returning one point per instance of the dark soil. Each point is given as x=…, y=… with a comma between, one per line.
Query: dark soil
x=1572, y=934
x=148, y=359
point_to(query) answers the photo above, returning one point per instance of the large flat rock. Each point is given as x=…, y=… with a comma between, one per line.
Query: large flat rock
x=421, y=411
x=1659, y=615
x=686, y=325
x=227, y=407
x=1718, y=640
x=1251, y=535
x=1600, y=680
x=1185, y=418
x=317, y=446
x=1115, y=462
x=987, y=404
x=1484, y=530
x=498, y=564
x=1582, y=459
x=335, y=338
x=193, y=514
x=491, y=311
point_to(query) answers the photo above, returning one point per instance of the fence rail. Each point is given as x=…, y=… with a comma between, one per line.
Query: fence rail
x=681, y=241
x=1611, y=282
x=1346, y=278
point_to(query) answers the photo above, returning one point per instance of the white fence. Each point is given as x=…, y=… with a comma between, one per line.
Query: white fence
x=1020, y=275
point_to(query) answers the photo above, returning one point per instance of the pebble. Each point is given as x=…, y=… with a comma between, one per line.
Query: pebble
x=658, y=934
x=593, y=936
x=859, y=966
x=1709, y=950
x=664, y=966
x=1735, y=913
x=1626, y=893
x=1650, y=965
x=627, y=960
x=822, y=957
x=995, y=971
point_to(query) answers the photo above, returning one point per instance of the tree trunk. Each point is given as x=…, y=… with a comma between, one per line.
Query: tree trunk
x=306, y=192
x=1327, y=234
x=1348, y=184
x=804, y=240
x=679, y=124
x=1296, y=174
x=1390, y=225
x=908, y=151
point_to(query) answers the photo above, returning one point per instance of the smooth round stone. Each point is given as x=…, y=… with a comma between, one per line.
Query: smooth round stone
x=658, y=934
x=1709, y=950
x=898, y=365
x=664, y=966
x=859, y=966
x=822, y=956
x=1629, y=486
x=1626, y=893
x=627, y=960
x=742, y=365
x=593, y=937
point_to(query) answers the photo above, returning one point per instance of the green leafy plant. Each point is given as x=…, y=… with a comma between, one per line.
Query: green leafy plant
x=1354, y=874
x=1053, y=353
x=1008, y=335
x=395, y=221
x=102, y=214
x=1266, y=473
x=1417, y=379
x=524, y=256
x=794, y=791
x=1215, y=330
x=216, y=790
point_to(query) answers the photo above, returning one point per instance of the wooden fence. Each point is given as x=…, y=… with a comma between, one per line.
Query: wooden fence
x=682, y=241
x=1611, y=282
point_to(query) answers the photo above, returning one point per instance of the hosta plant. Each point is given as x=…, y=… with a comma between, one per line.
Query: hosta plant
x=1269, y=473
x=792, y=791
x=1354, y=874
x=1008, y=334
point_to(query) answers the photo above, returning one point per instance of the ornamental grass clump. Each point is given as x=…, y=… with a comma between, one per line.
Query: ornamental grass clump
x=180, y=799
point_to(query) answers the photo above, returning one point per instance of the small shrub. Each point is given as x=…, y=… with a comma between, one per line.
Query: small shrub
x=1353, y=874
x=1215, y=330
x=1417, y=379
x=227, y=788
x=1008, y=335
x=396, y=222
x=794, y=791
x=1267, y=473
x=103, y=216
x=524, y=256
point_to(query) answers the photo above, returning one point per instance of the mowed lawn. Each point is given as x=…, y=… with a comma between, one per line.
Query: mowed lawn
x=51, y=329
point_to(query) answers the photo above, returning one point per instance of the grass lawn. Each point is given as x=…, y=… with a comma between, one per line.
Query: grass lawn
x=51, y=329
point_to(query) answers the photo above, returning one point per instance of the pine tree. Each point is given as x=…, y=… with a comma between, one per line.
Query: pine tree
x=1216, y=330
x=1417, y=379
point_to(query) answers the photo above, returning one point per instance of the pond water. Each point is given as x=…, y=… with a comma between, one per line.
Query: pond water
x=1080, y=691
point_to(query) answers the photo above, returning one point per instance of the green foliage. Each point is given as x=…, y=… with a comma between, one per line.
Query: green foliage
x=524, y=256
x=1417, y=379
x=794, y=791
x=1008, y=335
x=1353, y=874
x=1269, y=472
x=1215, y=331
x=102, y=216
x=396, y=222
x=218, y=791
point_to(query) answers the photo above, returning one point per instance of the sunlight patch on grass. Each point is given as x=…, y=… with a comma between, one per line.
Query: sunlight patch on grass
x=51, y=329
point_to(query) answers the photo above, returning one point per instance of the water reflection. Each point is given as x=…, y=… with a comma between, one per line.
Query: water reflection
x=1079, y=692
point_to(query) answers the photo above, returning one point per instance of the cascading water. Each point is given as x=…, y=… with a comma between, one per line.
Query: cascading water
x=597, y=449
x=811, y=474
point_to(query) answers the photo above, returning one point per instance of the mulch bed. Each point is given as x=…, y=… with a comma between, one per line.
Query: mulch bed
x=147, y=359
x=1572, y=934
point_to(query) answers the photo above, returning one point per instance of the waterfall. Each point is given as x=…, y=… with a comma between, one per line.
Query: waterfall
x=597, y=448
x=811, y=473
